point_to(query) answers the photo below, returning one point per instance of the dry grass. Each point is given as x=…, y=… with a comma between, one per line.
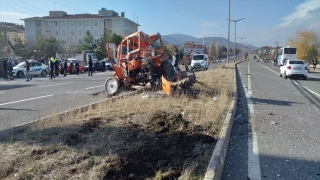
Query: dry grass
x=131, y=138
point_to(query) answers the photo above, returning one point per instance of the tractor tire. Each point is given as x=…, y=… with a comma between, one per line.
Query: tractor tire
x=169, y=72
x=112, y=86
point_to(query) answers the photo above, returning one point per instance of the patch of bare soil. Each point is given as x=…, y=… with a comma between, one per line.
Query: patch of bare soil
x=158, y=147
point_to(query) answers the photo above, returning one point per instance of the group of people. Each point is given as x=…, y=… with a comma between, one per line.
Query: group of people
x=54, y=67
x=8, y=67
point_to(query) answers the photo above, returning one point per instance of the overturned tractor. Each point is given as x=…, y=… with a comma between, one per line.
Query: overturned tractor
x=141, y=60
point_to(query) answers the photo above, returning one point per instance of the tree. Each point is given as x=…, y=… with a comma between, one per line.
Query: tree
x=19, y=47
x=169, y=49
x=87, y=43
x=217, y=50
x=304, y=41
x=212, y=50
x=311, y=54
x=46, y=47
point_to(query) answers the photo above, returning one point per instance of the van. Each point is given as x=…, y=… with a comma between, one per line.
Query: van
x=199, y=62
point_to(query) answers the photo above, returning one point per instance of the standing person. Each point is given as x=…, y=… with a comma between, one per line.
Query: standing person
x=52, y=63
x=175, y=60
x=314, y=62
x=90, y=66
x=56, y=68
x=65, y=66
x=27, y=65
x=71, y=67
x=104, y=65
x=274, y=62
x=9, y=69
x=77, y=67
x=5, y=68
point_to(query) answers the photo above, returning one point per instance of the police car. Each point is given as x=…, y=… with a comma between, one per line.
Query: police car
x=36, y=68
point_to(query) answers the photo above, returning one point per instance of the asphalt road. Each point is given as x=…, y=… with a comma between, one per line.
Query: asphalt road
x=275, y=133
x=22, y=102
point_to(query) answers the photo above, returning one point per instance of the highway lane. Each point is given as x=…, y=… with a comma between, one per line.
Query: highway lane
x=22, y=101
x=276, y=128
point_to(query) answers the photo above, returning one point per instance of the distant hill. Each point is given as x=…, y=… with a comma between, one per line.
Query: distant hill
x=182, y=38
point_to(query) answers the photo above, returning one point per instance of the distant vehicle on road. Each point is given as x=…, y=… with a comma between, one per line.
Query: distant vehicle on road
x=294, y=68
x=95, y=67
x=36, y=68
x=286, y=53
x=200, y=62
x=256, y=60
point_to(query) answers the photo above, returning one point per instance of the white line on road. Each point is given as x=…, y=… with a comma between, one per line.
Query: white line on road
x=249, y=81
x=25, y=100
x=254, y=171
x=55, y=85
x=94, y=87
x=1, y=92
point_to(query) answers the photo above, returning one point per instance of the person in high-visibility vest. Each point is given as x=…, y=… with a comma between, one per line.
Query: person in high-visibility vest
x=52, y=62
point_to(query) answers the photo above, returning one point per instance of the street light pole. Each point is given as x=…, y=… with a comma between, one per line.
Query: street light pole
x=235, y=32
x=228, y=33
x=241, y=39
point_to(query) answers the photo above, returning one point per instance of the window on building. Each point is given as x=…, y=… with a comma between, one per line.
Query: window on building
x=95, y=23
x=80, y=41
x=71, y=32
x=56, y=32
x=71, y=42
x=55, y=23
x=38, y=32
x=38, y=23
x=71, y=23
x=79, y=32
x=79, y=23
x=63, y=32
x=87, y=23
x=96, y=32
x=48, y=33
x=47, y=23
x=63, y=23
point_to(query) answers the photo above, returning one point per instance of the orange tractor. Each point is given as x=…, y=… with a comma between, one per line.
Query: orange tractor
x=141, y=60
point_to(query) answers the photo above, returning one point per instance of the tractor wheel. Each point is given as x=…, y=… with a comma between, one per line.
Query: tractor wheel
x=112, y=86
x=169, y=73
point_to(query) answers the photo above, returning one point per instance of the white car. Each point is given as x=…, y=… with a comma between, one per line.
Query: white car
x=307, y=64
x=294, y=68
x=36, y=68
x=199, y=62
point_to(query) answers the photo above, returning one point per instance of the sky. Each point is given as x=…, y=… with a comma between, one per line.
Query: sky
x=266, y=21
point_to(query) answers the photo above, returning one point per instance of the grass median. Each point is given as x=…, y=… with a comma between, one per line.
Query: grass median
x=130, y=138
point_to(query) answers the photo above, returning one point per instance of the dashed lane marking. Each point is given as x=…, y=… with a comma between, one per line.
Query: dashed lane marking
x=26, y=100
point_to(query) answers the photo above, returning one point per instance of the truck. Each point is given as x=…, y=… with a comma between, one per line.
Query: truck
x=84, y=57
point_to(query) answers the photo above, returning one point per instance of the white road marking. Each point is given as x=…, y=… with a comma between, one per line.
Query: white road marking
x=94, y=87
x=305, y=88
x=55, y=85
x=25, y=100
x=1, y=92
x=254, y=171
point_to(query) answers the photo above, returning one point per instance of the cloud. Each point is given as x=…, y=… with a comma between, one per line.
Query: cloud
x=307, y=11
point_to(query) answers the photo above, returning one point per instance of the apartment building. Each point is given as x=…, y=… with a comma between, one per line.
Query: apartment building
x=70, y=29
x=191, y=47
x=11, y=33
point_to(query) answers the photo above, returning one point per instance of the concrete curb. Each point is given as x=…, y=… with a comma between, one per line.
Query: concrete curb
x=21, y=128
x=216, y=163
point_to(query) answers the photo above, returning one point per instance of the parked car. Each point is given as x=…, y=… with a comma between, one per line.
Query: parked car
x=95, y=67
x=108, y=63
x=256, y=60
x=36, y=68
x=307, y=64
x=294, y=68
x=73, y=61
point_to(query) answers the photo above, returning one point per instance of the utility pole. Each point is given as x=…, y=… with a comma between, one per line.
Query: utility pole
x=228, y=34
x=235, y=32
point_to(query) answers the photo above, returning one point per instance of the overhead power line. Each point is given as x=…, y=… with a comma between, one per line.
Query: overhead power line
x=33, y=6
x=14, y=8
